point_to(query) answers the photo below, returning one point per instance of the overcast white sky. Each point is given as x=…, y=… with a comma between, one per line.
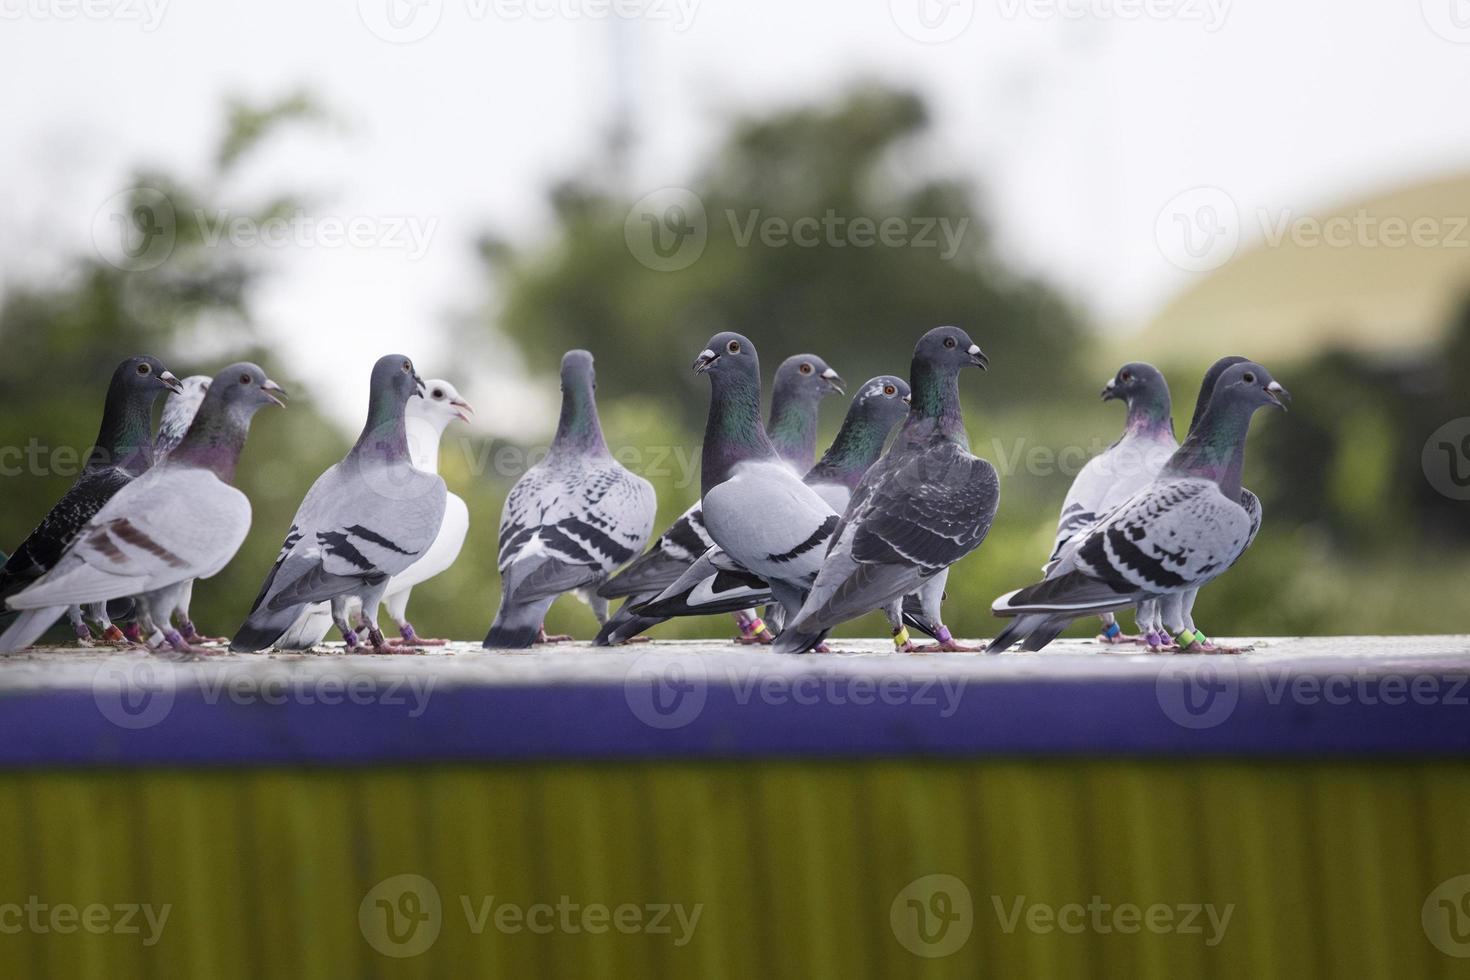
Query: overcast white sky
x=1081, y=119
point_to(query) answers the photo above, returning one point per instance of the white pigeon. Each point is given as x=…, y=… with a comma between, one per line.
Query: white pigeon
x=569, y=521
x=365, y=520
x=179, y=521
x=1180, y=532
x=426, y=419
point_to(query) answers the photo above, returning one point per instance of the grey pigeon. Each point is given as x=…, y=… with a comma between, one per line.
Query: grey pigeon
x=928, y=503
x=1119, y=472
x=120, y=454
x=1178, y=610
x=365, y=520
x=426, y=419
x=570, y=520
x=1176, y=534
x=183, y=519
x=801, y=382
x=757, y=510
x=714, y=584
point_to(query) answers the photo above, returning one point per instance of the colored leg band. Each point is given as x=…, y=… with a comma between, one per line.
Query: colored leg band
x=1201, y=639
x=1186, y=638
x=1112, y=631
x=753, y=626
x=942, y=634
x=901, y=637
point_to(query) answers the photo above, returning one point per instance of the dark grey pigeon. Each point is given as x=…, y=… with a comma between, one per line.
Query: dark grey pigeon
x=569, y=521
x=179, y=521
x=365, y=520
x=928, y=503
x=1178, y=533
x=122, y=452
x=712, y=584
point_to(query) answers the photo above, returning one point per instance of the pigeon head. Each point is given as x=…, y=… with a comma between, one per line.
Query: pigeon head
x=243, y=389
x=728, y=355
x=950, y=347
x=806, y=375
x=877, y=407
x=884, y=399
x=126, y=436
x=145, y=376
x=1207, y=387
x=217, y=436
x=1143, y=389
x=440, y=405
x=395, y=380
x=578, y=370
x=1250, y=385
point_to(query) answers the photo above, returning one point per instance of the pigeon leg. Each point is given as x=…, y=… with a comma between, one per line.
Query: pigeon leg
x=753, y=630
x=186, y=623
x=1112, y=632
x=79, y=626
x=543, y=637
x=339, y=619
x=901, y=641
x=370, y=602
x=397, y=604
x=946, y=644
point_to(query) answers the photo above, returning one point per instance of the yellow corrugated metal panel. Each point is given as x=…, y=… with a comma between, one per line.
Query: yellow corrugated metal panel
x=797, y=867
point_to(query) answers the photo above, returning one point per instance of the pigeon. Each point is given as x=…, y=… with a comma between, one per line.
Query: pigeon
x=366, y=519
x=925, y=505
x=713, y=584
x=759, y=513
x=178, y=414
x=1122, y=470
x=426, y=419
x=801, y=382
x=183, y=519
x=122, y=452
x=1176, y=534
x=1177, y=610
x=569, y=521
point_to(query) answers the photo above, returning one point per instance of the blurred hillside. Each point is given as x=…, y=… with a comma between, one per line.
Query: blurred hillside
x=1356, y=538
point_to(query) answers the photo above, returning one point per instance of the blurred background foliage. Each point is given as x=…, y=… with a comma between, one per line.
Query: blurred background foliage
x=1356, y=539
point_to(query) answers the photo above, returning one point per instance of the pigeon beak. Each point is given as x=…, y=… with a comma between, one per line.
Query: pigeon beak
x=1279, y=395
x=1110, y=390
x=419, y=386
x=908, y=399
x=274, y=392
x=834, y=379
x=464, y=409
x=170, y=382
x=705, y=359
x=978, y=358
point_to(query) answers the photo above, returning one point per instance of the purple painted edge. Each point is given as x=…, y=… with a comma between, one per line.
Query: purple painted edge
x=497, y=724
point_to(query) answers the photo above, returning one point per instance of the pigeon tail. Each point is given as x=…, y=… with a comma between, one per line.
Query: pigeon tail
x=624, y=626
x=29, y=627
x=517, y=624
x=264, y=628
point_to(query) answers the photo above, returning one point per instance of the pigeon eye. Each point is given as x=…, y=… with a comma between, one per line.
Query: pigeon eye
x=806, y=369
x=1125, y=377
x=145, y=369
x=407, y=367
x=733, y=347
x=889, y=389
x=438, y=392
x=245, y=379
x=1250, y=378
x=949, y=342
